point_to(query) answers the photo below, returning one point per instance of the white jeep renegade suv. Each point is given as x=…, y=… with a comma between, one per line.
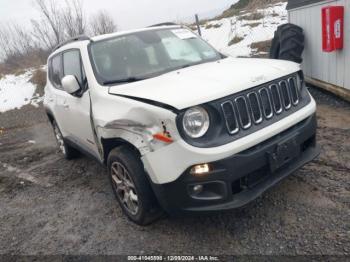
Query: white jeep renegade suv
x=181, y=127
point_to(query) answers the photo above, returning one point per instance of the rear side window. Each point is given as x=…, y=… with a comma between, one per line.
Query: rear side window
x=72, y=65
x=55, y=72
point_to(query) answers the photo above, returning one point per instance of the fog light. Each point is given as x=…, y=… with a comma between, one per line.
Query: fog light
x=197, y=189
x=200, y=170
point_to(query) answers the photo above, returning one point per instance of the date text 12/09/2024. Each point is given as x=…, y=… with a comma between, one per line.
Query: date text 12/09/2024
x=173, y=258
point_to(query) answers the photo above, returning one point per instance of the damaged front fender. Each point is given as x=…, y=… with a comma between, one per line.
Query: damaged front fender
x=138, y=129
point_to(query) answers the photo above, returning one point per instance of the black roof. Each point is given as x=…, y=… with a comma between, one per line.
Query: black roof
x=163, y=24
x=299, y=3
x=73, y=39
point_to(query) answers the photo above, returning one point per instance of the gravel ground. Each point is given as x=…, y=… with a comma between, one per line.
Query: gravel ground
x=53, y=206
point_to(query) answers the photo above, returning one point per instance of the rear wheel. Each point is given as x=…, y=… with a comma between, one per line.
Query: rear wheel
x=68, y=151
x=131, y=187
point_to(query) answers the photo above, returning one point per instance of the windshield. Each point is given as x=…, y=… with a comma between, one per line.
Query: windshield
x=147, y=54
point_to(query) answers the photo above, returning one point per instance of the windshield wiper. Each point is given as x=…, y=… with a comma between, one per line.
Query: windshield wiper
x=123, y=80
x=188, y=65
x=194, y=64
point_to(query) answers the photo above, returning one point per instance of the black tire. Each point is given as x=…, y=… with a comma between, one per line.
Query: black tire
x=148, y=209
x=288, y=43
x=275, y=47
x=67, y=151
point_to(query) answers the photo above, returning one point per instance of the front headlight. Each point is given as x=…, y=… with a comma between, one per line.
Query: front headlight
x=196, y=122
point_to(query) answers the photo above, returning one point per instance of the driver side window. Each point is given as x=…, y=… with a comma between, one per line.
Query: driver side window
x=72, y=65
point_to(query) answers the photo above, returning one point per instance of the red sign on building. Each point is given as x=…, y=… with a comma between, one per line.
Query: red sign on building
x=332, y=28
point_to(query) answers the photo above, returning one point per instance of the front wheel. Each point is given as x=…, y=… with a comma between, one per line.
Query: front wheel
x=131, y=187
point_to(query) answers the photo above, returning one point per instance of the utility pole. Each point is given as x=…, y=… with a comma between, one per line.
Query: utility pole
x=198, y=26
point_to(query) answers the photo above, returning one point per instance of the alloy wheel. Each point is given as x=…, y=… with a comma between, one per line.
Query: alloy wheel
x=59, y=139
x=124, y=187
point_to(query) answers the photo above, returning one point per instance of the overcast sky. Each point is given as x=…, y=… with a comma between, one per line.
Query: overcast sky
x=127, y=14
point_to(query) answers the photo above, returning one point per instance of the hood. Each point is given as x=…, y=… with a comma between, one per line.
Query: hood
x=206, y=82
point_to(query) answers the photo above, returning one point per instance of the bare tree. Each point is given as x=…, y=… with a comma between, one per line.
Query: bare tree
x=18, y=48
x=14, y=40
x=43, y=35
x=51, y=15
x=73, y=18
x=5, y=47
x=58, y=22
x=102, y=23
x=21, y=46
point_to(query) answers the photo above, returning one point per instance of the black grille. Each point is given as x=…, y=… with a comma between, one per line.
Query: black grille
x=261, y=104
x=266, y=102
x=243, y=112
x=255, y=107
x=287, y=103
x=276, y=98
x=294, y=90
x=231, y=118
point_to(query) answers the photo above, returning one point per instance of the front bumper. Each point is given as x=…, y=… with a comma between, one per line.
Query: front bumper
x=167, y=163
x=240, y=178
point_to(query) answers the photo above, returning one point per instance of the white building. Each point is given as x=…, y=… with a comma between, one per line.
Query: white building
x=330, y=71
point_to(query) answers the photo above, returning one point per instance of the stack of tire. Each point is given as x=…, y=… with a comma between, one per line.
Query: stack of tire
x=288, y=43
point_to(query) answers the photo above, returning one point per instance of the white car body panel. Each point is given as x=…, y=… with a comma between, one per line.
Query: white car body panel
x=131, y=120
x=78, y=109
x=115, y=116
x=207, y=82
x=73, y=113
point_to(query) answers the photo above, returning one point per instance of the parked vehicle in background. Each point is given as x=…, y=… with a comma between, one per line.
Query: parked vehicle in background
x=181, y=127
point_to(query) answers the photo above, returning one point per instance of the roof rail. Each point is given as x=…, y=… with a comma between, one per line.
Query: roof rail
x=164, y=24
x=71, y=40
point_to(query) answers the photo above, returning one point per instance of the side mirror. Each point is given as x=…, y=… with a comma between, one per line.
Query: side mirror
x=70, y=84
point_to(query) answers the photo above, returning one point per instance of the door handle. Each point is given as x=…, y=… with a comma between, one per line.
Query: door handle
x=66, y=106
x=50, y=99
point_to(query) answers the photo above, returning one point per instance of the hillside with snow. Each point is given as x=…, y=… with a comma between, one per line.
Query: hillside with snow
x=17, y=91
x=247, y=33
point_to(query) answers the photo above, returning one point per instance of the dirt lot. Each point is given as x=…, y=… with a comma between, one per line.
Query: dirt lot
x=53, y=206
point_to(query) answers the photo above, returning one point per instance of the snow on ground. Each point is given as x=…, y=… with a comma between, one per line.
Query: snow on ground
x=251, y=31
x=17, y=91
